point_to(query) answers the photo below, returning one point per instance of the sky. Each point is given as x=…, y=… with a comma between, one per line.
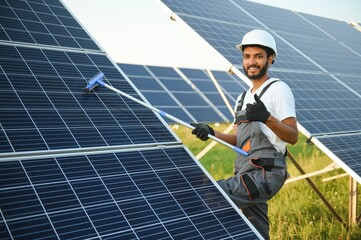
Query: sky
x=141, y=32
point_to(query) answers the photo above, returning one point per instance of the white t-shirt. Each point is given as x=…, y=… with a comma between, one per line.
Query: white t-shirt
x=279, y=101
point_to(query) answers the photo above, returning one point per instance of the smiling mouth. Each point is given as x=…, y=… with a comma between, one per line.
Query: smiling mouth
x=253, y=68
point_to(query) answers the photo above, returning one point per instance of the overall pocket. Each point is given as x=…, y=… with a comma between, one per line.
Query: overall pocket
x=273, y=176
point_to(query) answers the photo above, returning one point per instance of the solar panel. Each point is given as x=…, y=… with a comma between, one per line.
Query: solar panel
x=45, y=92
x=79, y=197
x=44, y=23
x=231, y=84
x=324, y=105
x=352, y=82
x=338, y=29
x=94, y=166
x=156, y=93
x=265, y=14
x=314, y=43
x=347, y=148
x=186, y=95
x=205, y=86
x=224, y=35
x=319, y=51
x=191, y=97
x=318, y=58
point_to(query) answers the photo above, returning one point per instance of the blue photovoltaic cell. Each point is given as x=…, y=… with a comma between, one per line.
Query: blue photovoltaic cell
x=168, y=91
x=318, y=49
x=172, y=81
x=37, y=22
x=231, y=85
x=285, y=18
x=351, y=81
x=205, y=85
x=138, y=194
x=338, y=29
x=157, y=95
x=309, y=38
x=163, y=82
x=226, y=11
x=224, y=35
x=323, y=104
x=42, y=106
x=346, y=148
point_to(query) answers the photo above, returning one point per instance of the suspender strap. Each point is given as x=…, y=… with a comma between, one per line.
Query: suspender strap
x=241, y=101
x=266, y=87
x=260, y=95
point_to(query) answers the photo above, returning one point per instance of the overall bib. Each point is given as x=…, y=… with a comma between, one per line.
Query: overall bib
x=257, y=177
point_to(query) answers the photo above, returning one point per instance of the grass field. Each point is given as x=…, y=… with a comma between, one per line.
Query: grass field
x=296, y=212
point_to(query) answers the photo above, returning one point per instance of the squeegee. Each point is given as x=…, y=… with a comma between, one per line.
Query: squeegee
x=97, y=80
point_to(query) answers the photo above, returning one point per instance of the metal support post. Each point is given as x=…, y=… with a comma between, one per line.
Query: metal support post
x=317, y=191
x=352, y=202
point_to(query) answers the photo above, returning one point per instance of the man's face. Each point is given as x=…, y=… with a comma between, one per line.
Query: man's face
x=255, y=62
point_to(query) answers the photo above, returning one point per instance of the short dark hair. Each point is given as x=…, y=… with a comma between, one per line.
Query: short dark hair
x=268, y=50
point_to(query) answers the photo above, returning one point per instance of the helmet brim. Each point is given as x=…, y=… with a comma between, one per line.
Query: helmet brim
x=239, y=47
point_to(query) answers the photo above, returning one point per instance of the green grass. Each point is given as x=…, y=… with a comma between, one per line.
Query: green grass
x=296, y=212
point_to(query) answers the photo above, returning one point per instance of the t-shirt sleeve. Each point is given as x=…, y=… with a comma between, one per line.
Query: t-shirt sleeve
x=284, y=102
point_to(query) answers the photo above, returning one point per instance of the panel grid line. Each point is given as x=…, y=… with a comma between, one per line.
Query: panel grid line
x=32, y=187
x=201, y=199
x=171, y=94
x=23, y=107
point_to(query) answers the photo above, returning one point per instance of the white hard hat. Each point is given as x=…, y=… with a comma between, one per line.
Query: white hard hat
x=258, y=37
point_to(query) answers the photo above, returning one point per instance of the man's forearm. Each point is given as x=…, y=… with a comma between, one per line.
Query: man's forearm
x=286, y=129
x=229, y=138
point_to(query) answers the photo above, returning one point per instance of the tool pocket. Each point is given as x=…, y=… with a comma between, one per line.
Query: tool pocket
x=275, y=181
x=241, y=188
x=249, y=182
x=273, y=176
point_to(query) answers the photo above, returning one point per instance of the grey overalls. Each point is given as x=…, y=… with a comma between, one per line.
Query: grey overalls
x=259, y=176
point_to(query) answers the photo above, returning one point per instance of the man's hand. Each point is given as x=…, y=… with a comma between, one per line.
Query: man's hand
x=257, y=111
x=202, y=130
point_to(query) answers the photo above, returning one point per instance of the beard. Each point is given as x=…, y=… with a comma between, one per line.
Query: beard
x=262, y=72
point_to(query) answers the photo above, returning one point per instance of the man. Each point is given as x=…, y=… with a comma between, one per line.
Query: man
x=265, y=121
